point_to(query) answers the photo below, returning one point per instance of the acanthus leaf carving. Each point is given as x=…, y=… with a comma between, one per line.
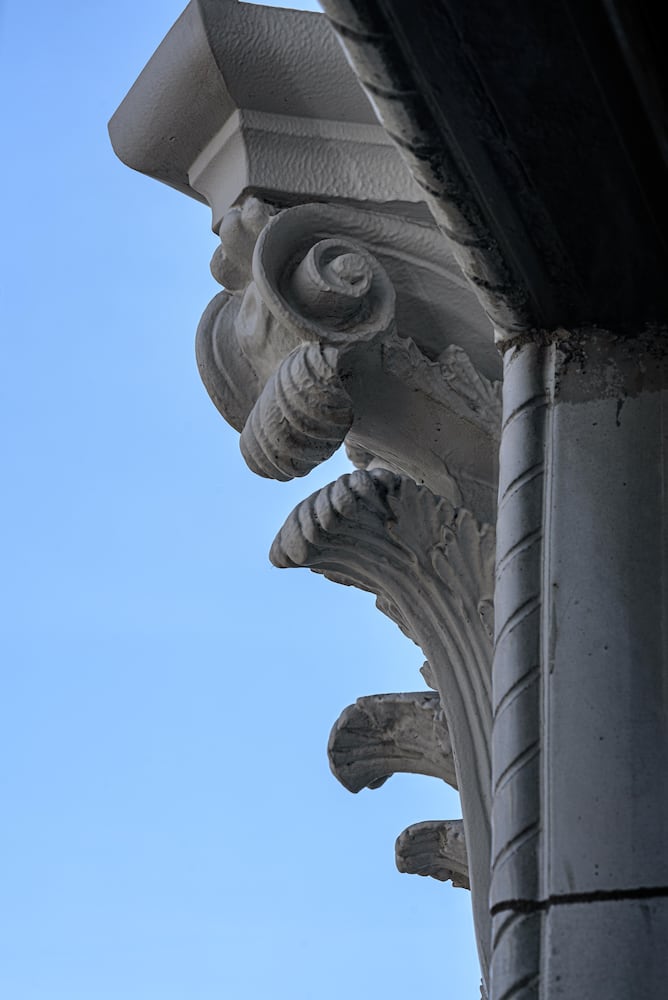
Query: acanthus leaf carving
x=436, y=849
x=431, y=566
x=474, y=397
x=351, y=323
x=385, y=734
x=320, y=340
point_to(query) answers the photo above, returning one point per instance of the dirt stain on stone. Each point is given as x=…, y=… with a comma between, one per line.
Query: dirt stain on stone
x=618, y=413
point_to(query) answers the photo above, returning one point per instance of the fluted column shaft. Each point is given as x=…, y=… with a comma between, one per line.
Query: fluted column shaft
x=579, y=891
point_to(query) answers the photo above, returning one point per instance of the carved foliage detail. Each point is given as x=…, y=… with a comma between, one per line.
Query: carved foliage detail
x=302, y=352
x=431, y=566
x=453, y=377
x=384, y=734
x=435, y=848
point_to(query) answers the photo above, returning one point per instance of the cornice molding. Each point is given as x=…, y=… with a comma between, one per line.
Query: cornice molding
x=291, y=121
x=326, y=335
x=345, y=319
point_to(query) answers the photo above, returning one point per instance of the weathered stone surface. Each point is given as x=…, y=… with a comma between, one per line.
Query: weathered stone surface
x=384, y=734
x=435, y=848
x=322, y=338
x=344, y=319
x=431, y=566
x=623, y=942
x=350, y=322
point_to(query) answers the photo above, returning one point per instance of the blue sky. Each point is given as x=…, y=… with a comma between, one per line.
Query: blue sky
x=171, y=830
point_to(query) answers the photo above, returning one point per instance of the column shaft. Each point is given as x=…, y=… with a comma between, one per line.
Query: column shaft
x=580, y=745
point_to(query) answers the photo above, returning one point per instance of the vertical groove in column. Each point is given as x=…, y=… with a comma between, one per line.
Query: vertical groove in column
x=517, y=749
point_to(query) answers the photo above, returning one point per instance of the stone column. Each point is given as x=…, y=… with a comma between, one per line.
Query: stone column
x=579, y=892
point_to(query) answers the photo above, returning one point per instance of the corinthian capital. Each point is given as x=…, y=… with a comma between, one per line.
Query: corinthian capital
x=384, y=734
x=345, y=319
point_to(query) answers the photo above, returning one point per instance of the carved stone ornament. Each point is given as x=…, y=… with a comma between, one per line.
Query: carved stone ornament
x=324, y=335
x=383, y=734
x=437, y=849
x=387, y=734
x=431, y=566
x=326, y=332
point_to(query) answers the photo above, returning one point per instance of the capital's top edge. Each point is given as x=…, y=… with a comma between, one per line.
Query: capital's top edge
x=220, y=57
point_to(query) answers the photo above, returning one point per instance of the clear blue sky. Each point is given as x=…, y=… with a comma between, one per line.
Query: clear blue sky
x=170, y=827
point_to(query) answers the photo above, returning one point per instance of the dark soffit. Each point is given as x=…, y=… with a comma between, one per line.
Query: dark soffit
x=539, y=130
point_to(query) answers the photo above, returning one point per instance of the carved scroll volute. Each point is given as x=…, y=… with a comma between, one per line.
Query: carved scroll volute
x=275, y=354
x=301, y=345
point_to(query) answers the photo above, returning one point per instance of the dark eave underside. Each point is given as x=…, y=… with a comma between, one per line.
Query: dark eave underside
x=539, y=130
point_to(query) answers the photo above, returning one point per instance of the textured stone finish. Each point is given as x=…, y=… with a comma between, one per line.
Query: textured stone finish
x=386, y=734
x=212, y=120
x=346, y=323
x=436, y=849
x=321, y=335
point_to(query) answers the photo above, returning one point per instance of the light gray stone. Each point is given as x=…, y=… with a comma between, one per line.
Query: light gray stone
x=324, y=321
x=341, y=322
x=607, y=948
x=431, y=566
x=435, y=848
x=385, y=734
x=241, y=97
x=345, y=319
x=580, y=743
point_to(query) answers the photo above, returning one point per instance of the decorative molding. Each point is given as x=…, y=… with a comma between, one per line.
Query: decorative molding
x=301, y=416
x=518, y=690
x=320, y=339
x=243, y=97
x=431, y=566
x=435, y=848
x=325, y=333
x=385, y=734
x=350, y=323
